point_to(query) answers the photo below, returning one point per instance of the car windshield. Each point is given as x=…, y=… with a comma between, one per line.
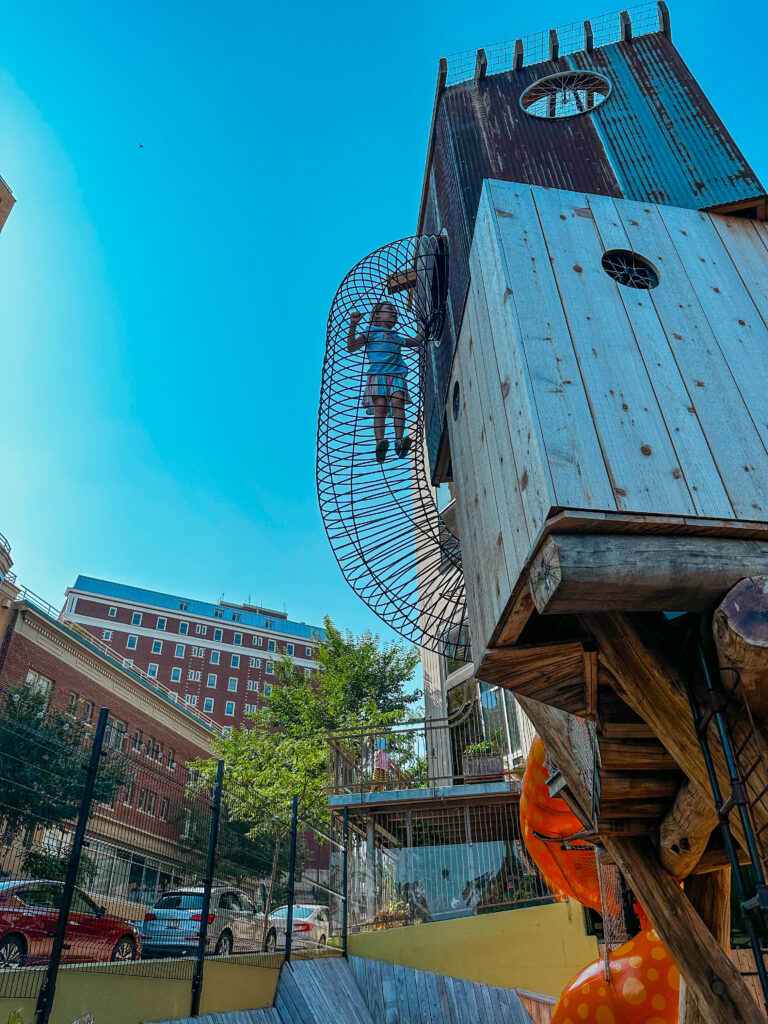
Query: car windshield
x=180, y=901
x=297, y=912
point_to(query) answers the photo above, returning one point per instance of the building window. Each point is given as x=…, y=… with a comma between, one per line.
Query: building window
x=128, y=662
x=193, y=677
x=112, y=613
x=307, y=673
x=215, y=657
x=132, y=642
x=226, y=730
x=198, y=652
x=152, y=669
x=136, y=619
x=157, y=646
x=191, y=698
x=114, y=733
x=38, y=684
x=179, y=652
x=72, y=703
x=200, y=629
x=106, y=635
x=176, y=675
x=269, y=623
x=235, y=661
x=218, y=636
x=212, y=677
x=208, y=704
x=270, y=668
x=289, y=650
x=229, y=708
x=237, y=639
x=183, y=628
x=183, y=606
x=88, y=711
x=137, y=740
x=218, y=613
x=128, y=795
x=258, y=641
x=237, y=617
x=308, y=651
x=164, y=809
x=161, y=623
x=253, y=684
x=151, y=803
x=232, y=683
x=149, y=746
x=271, y=646
x=142, y=800
x=267, y=689
x=251, y=663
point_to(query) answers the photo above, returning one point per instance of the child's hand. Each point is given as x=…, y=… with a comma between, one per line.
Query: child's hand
x=355, y=317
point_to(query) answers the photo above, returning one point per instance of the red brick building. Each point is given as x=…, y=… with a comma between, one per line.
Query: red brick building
x=216, y=658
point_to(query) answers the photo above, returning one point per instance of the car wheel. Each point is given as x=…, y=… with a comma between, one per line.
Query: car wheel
x=125, y=949
x=270, y=945
x=223, y=944
x=13, y=951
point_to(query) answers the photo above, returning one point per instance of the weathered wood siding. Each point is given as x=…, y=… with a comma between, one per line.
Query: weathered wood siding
x=579, y=393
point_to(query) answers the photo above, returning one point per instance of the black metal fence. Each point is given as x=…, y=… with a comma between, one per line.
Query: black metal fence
x=110, y=852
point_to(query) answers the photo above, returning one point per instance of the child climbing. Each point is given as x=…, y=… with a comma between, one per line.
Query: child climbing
x=386, y=390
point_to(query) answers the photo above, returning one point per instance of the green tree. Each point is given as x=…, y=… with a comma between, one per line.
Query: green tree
x=282, y=749
x=42, y=753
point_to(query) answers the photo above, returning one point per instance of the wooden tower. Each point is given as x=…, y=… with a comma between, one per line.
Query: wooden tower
x=599, y=404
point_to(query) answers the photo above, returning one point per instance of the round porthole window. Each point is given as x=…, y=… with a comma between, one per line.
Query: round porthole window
x=630, y=269
x=565, y=94
x=456, y=401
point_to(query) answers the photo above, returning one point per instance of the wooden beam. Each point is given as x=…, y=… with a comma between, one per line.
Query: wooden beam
x=626, y=27
x=665, y=24
x=614, y=572
x=714, y=981
x=710, y=896
x=589, y=37
x=481, y=65
x=740, y=628
x=554, y=44
x=685, y=831
x=626, y=755
x=559, y=673
x=519, y=55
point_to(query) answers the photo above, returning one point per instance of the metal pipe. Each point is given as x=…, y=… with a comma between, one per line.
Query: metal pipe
x=291, y=879
x=213, y=837
x=345, y=882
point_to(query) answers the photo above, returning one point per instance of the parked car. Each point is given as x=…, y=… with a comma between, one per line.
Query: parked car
x=29, y=910
x=311, y=925
x=172, y=926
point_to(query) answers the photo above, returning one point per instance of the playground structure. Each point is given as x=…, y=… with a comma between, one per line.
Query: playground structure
x=596, y=406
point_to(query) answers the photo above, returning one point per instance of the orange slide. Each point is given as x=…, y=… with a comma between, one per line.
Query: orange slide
x=644, y=981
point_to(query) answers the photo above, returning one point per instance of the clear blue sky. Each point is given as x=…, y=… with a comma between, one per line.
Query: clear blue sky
x=162, y=310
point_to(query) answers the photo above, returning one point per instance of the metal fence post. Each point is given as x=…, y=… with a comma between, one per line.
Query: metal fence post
x=344, y=882
x=48, y=988
x=213, y=836
x=291, y=878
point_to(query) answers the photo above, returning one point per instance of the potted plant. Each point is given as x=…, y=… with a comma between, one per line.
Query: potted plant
x=482, y=762
x=394, y=916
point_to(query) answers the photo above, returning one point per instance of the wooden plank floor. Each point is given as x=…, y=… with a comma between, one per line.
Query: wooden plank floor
x=266, y=1016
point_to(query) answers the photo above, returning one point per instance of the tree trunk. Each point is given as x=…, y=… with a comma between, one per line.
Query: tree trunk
x=740, y=627
x=273, y=876
x=710, y=895
x=685, y=832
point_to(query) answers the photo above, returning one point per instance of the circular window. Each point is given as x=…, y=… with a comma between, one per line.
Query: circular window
x=565, y=94
x=456, y=400
x=629, y=269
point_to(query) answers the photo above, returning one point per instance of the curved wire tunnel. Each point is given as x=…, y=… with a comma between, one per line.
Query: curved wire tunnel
x=391, y=542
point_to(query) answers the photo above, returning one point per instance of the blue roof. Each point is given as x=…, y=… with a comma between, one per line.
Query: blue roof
x=171, y=602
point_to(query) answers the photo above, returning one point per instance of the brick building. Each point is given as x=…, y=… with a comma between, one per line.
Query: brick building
x=6, y=202
x=137, y=842
x=216, y=658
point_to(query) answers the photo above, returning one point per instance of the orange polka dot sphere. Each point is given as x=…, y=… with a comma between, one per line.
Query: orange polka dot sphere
x=567, y=872
x=644, y=987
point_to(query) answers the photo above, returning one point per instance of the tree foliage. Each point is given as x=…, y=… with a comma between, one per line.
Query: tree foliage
x=43, y=752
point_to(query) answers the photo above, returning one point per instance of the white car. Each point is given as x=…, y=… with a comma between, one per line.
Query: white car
x=311, y=925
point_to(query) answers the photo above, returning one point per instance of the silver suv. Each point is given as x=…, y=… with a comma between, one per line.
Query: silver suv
x=235, y=925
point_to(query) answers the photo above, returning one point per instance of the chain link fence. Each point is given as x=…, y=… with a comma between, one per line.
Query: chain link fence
x=110, y=853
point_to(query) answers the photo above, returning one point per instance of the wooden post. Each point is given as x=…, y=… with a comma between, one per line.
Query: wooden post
x=626, y=27
x=519, y=55
x=710, y=896
x=740, y=628
x=665, y=25
x=554, y=44
x=589, y=37
x=685, y=832
x=481, y=65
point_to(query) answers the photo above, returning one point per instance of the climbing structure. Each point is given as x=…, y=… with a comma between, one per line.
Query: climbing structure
x=392, y=544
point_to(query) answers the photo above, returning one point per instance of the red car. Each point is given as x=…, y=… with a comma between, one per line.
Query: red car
x=28, y=912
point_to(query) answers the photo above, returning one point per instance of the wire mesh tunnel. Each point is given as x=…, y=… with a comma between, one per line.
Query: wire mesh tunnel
x=396, y=550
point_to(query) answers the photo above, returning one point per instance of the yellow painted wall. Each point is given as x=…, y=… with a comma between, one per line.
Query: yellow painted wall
x=535, y=948
x=134, y=993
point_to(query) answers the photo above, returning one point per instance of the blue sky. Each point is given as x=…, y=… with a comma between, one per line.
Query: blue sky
x=162, y=310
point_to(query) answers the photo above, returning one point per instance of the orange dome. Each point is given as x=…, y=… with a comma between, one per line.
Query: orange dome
x=643, y=989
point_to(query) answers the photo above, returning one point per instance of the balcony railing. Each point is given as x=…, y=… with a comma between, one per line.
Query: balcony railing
x=484, y=739
x=4, y=542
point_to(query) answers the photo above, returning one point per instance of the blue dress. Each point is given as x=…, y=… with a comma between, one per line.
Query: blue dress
x=387, y=371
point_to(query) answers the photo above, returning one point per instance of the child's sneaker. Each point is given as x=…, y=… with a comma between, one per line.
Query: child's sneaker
x=402, y=446
x=382, y=447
